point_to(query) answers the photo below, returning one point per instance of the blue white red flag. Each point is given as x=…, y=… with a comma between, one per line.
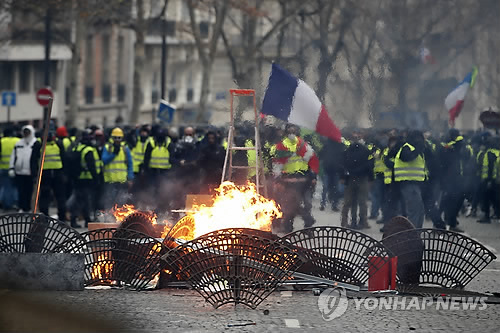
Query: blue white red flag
x=454, y=102
x=292, y=100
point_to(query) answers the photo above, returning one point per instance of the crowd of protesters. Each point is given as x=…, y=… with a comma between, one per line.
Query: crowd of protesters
x=399, y=172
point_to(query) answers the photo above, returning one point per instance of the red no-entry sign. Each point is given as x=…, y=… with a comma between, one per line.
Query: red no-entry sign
x=43, y=96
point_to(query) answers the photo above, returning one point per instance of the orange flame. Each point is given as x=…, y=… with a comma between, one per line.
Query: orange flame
x=101, y=270
x=121, y=213
x=235, y=207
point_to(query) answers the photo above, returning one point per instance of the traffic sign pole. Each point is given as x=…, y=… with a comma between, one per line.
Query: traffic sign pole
x=8, y=114
x=36, y=194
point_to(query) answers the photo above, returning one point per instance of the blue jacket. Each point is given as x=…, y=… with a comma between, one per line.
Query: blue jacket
x=107, y=157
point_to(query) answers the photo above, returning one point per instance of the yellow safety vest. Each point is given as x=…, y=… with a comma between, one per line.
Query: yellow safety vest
x=84, y=150
x=409, y=171
x=251, y=158
x=295, y=162
x=52, y=157
x=387, y=171
x=379, y=161
x=116, y=170
x=138, y=153
x=66, y=143
x=8, y=144
x=484, y=174
x=160, y=157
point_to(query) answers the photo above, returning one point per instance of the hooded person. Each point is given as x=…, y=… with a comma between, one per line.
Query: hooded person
x=23, y=166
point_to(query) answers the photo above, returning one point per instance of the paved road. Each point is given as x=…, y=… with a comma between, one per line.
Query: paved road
x=185, y=311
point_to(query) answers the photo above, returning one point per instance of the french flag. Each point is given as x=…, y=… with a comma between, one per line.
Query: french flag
x=454, y=102
x=292, y=100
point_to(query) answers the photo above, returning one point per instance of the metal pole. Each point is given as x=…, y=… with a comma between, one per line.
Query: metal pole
x=36, y=194
x=8, y=114
x=163, y=59
x=47, y=57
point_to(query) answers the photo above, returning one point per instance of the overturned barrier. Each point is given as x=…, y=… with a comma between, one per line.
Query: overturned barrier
x=437, y=257
x=119, y=257
x=338, y=254
x=233, y=266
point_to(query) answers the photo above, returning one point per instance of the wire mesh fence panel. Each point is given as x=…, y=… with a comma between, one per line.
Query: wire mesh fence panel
x=338, y=254
x=119, y=256
x=233, y=266
x=437, y=257
x=24, y=232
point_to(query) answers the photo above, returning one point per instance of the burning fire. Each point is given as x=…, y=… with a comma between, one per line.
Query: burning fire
x=235, y=207
x=121, y=213
x=101, y=270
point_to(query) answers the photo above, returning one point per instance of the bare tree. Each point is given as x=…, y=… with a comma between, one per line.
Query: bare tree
x=207, y=51
x=246, y=52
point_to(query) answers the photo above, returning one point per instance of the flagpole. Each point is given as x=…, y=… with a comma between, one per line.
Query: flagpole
x=36, y=194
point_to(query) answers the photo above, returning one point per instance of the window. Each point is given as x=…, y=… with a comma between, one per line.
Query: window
x=89, y=61
x=121, y=92
x=189, y=95
x=155, y=96
x=172, y=95
x=106, y=93
x=170, y=28
x=24, y=77
x=6, y=75
x=40, y=74
x=89, y=94
x=66, y=95
x=105, y=79
x=120, y=72
x=204, y=27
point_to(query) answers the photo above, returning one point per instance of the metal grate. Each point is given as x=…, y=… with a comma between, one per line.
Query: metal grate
x=443, y=258
x=140, y=222
x=119, y=256
x=338, y=254
x=35, y=233
x=233, y=266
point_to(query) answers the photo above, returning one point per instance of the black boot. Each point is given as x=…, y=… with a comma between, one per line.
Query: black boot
x=74, y=224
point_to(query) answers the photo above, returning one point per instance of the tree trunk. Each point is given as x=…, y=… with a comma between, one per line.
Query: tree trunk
x=74, y=77
x=205, y=91
x=139, y=58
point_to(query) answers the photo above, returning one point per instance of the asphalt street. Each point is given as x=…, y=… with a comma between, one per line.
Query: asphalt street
x=181, y=310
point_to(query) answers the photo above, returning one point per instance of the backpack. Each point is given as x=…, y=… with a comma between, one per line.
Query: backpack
x=75, y=161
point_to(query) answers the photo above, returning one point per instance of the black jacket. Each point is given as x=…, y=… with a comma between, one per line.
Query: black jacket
x=357, y=163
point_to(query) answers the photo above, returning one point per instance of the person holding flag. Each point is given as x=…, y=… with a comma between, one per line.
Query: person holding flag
x=295, y=164
x=454, y=102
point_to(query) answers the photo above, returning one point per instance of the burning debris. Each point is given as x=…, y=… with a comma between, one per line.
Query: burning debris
x=102, y=269
x=234, y=207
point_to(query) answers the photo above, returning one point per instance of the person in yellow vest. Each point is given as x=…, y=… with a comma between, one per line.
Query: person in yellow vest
x=295, y=168
x=392, y=195
x=454, y=157
x=62, y=135
x=157, y=165
x=139, y=149
x=490, y=179
x=87, y=179
x=377, y=186
x=8, y=192
x=118, y=169
x=409, y=172
x=53, y=180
